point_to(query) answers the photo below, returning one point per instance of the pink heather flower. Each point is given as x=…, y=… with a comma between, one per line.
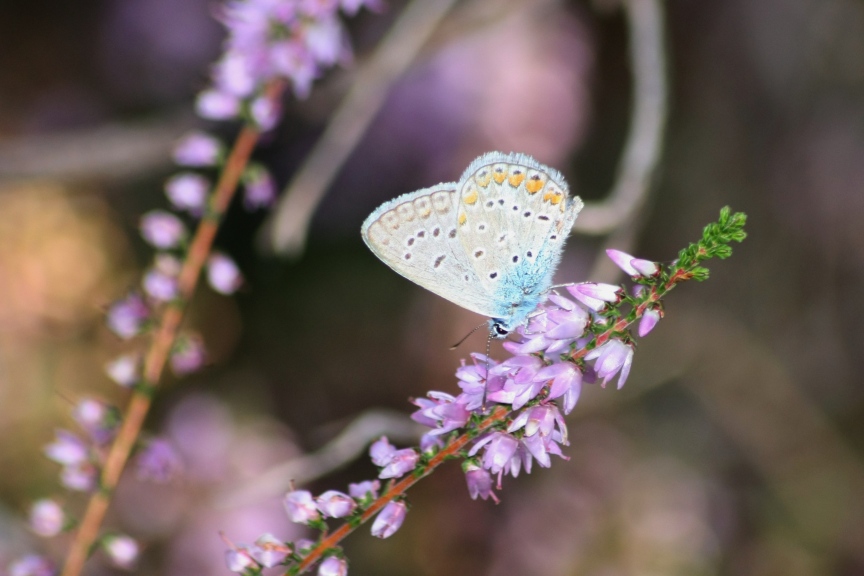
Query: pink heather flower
x=160, y=286
x=162, y=230
x=126, y=317
x=649, y=320
x=31, y=565
x=389, y=519
x=351, y=7
x=67, y=449
x=566, y=381
x=269, y=551
x=366, y=490
x=543, y=419
x=595, y=295
x=188, y=355
x=333, y=566
x=122, y=550
x=293, y=61
x=158, y=462
x=473, y=382
x=645, y=268
x=381, y=451
x=46, y=518
x=479, y=483
x=265, y=112
x=197, y=149
x=217, y=105
x=500, y=449
x=335, y=504
x=234, y=74
x=300, y=507
x=612, y=357
x=124, y=370
x=259, y=188
x=325, y=40
x=441, y=411
x=98, y=419
x=79, y=477
x=519, y=387
x=239, y=560
x=623, y=261
x=401, y=462
x=188, y=191
x=223, y=274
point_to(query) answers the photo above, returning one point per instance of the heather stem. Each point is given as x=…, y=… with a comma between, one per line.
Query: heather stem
x=160, y=346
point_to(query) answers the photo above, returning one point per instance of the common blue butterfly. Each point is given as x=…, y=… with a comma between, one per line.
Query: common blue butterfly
x=489, y=243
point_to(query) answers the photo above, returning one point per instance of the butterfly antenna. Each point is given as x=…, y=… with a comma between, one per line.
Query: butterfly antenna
x=459, y=343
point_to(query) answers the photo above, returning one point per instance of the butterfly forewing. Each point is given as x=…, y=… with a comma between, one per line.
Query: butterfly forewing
x=416, y=235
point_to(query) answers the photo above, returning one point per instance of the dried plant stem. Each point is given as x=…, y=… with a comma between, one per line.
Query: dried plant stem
x=160, y=347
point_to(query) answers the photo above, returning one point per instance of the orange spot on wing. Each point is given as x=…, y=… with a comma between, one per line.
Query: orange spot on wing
x=462, y=218
x=499, y=176
x=484, y=178
x=553, y=197
x=470, y=197
x=516, y=179
x=533, y=185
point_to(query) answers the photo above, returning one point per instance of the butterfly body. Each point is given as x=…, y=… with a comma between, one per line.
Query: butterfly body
x=489, y=243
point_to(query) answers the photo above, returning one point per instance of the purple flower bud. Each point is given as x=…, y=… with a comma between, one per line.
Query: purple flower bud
x=479, y=483
x=595, y=295
x=265, y=112
x=160, y=286
x=197, y=149
x=333, y=566
x=389, y=519
x=611, y=357
x=623, y=261
x=124, y=370
x=158, y=462
x=401, y=462
x=162, y=229
x=188, y=191
x=31, y=565
x=500, y=448
x=381, y=451
x=335, y=504
x=222, y=274
x=79, y=477
x=122, y=550
x=259, y=188
x=67, y=449
x=126, y=317
x=442, y=412
x=300, y=507
x=649, y=320
x=645, y=268
x=46, y=518
x=188, y=355
x=239, y=560
x=325, y=40
x=268, y=551
x=97, y=418
x=217, y=105
x=366, y=490
x=233, y=74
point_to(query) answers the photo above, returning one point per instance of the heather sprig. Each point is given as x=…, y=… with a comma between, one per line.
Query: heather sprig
x=510, y=413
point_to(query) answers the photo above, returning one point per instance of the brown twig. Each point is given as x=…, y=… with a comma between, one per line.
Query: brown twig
x=160, y=347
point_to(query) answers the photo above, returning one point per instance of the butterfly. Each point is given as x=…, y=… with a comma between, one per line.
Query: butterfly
x=489, y=243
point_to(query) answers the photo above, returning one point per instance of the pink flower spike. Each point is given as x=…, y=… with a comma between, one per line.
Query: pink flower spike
x=649, y=320
x=301, y=507
x=198, y=149
x=162, y=230
x=188, y=191
x=122, y=550
x=623, y=261
x=335, y=504
x=389, y=520
x=46, y=518
x=217, y=105
x=223, y=275
x=333, y=566
x=645, y=268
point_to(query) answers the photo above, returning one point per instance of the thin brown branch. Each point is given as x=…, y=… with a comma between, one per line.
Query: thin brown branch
x=160, y=348
x=647, y=124
x=286, y=230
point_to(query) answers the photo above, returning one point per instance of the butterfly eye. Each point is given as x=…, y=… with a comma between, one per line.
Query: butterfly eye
x=498, y=331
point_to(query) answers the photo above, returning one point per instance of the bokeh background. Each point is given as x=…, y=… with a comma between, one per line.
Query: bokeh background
x=736, y=446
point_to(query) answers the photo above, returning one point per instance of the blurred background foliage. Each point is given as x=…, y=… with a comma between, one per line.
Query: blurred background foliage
x=736, y=446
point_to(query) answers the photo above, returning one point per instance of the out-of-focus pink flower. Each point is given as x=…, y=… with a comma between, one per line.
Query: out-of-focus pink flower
x=259, y=188
x=217, y=105
x=188, y=191
x=380, y=451
x=79, y=477
x=47, y=518
x=124, y=370
x=335, y=504
x=333, y=566
x=368, y=489
x=390, y=519
x=269, y=551
x=31, y=565
x=223, y=275
x=198, y=149
x=122, y=550
x=188, y=355
x=158, y=462
x=126, y=317
x=67, y=449
x=97, y=418
x=238, y=560
x=162, y=229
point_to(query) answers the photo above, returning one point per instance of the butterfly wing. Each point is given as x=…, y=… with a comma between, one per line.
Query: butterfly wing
x=514, y=215
x=416, y=235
